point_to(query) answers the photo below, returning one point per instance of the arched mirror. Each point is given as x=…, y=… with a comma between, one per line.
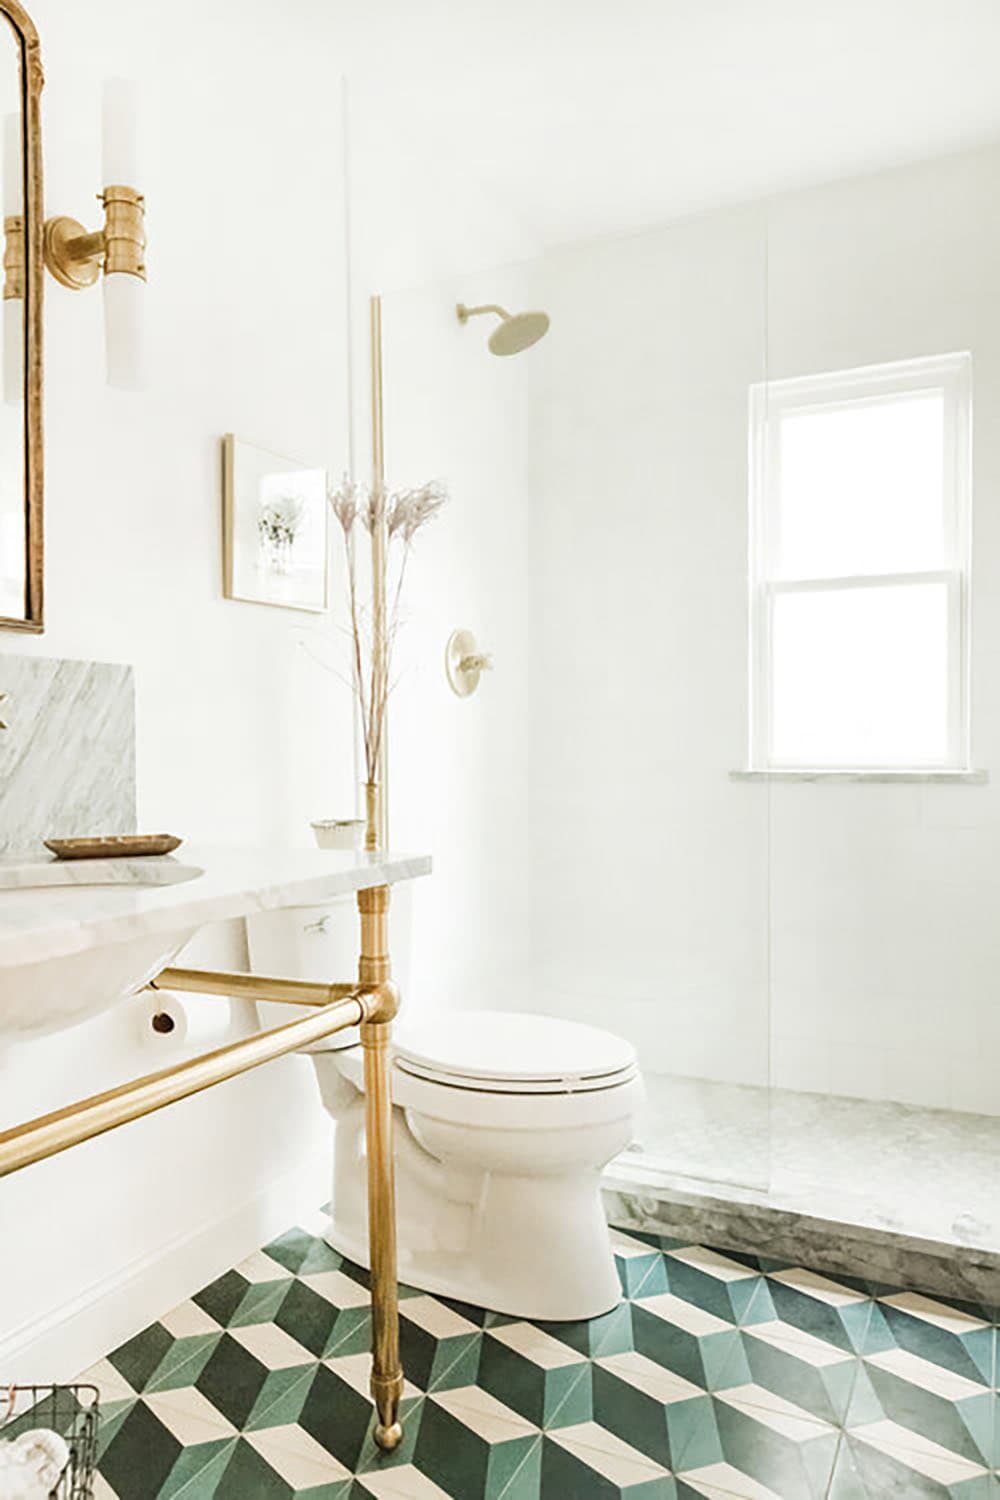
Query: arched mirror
x=21, y=468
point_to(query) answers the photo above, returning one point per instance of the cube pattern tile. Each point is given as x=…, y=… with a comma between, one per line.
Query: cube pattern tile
x=718, y=1377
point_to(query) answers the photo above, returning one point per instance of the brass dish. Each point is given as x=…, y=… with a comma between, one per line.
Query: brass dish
x=124, y=846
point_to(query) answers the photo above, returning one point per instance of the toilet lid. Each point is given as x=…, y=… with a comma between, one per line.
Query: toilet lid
x=514, y=1053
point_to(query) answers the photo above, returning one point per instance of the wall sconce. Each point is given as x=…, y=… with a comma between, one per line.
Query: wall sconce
x=76, y=258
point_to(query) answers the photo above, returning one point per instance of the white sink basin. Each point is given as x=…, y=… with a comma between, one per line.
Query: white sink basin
x=77, y=937
x=52, y=993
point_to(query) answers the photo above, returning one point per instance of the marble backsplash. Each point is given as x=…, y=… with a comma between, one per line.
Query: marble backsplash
x=67, y=754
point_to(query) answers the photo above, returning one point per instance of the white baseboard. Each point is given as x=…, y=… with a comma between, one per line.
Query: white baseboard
x=72, y=1337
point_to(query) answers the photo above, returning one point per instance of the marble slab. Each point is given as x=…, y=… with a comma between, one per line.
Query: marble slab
x=725, y=1221
x=44, y=922
x=19, y=874
x=67, y=755
x=975, y=777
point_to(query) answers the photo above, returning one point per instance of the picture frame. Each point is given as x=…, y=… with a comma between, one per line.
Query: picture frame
x=275, y=523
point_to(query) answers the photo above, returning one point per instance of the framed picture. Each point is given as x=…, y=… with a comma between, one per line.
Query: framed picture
x=274, y=528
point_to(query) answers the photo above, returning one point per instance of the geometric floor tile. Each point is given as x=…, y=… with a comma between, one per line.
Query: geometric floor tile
x=189, y=1416
x=718, y=1377
x=722, y=1482
x=297, y=1457
x=923, y=1466
x=404, y=1483
x=577, y=1457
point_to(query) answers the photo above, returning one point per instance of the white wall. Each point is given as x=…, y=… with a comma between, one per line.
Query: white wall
x=240, y=738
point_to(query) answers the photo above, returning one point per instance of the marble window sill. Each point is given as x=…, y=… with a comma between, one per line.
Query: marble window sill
x=931, y=778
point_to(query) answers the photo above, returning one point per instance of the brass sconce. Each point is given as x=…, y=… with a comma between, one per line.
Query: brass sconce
x=13, y=258
x=76, y=257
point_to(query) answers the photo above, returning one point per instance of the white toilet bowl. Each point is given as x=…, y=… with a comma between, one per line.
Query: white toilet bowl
x=503, y=1124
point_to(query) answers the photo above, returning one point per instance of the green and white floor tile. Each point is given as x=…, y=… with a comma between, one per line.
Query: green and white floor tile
x=719, y=1377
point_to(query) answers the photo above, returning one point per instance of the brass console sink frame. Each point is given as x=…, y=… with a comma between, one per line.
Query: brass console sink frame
x=373, y=1002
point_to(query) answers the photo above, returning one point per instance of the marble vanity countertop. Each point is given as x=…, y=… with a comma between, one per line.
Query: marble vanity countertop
x=53, y=908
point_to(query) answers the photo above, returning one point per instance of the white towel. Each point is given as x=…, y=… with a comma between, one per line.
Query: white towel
x=31, y=1465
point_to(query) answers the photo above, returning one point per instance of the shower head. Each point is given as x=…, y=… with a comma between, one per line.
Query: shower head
x=514, y=332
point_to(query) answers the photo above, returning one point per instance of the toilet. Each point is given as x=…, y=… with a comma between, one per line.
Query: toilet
x=503, y=1123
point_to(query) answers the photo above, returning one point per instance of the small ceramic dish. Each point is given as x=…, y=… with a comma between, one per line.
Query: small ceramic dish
x=339, y=833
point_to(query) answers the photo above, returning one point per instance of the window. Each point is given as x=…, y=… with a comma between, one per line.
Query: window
x=859, y=561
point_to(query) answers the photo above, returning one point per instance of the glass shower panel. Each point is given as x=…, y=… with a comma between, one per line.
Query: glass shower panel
x=883, y=887
x=601, y=862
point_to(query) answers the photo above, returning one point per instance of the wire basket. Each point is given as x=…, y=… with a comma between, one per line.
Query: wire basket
x=70, y=1410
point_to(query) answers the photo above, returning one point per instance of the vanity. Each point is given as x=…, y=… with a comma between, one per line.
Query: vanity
x=77, y=938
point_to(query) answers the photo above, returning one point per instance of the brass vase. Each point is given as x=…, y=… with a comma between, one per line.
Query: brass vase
x=373, y=811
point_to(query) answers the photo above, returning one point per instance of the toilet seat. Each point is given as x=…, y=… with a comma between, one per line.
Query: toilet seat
x=499, y=1104
x=461, y=1066
x=512, y=1052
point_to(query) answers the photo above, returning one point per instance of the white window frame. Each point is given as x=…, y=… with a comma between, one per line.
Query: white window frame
x=949, y=375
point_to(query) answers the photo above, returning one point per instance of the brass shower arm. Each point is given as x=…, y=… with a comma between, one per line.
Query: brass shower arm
x=465, y=313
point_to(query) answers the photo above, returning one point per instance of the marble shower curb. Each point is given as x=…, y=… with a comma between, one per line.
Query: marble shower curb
x=733, y=1219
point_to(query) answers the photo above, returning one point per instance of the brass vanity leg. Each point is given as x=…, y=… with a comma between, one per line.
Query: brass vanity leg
x=373, y=974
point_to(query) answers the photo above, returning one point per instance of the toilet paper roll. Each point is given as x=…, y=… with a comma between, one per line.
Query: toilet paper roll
x=200, y=1023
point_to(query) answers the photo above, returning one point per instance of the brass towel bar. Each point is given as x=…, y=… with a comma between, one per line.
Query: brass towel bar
x=252, y=987
x=81, y=1121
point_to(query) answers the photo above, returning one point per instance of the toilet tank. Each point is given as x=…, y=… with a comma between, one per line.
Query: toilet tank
x=321, y=943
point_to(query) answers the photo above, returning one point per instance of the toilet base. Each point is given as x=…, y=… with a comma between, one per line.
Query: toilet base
x=445, y=1275
x=528, y=1247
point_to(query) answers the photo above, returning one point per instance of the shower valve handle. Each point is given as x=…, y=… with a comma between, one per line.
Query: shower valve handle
x=476, y=661
x=464, y=663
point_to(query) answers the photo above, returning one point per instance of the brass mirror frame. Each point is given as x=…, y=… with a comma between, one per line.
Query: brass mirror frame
x=32, y=80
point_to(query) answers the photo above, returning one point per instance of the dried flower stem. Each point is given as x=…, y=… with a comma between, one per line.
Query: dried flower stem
x=394, y=517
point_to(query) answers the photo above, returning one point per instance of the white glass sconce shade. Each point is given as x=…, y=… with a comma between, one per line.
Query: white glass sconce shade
x=124, y=292
x=119, y=151
x=124, y=331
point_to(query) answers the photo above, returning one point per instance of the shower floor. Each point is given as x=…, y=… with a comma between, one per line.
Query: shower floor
x=915, y=1180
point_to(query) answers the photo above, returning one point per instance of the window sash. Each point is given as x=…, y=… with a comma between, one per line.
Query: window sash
x=956, y=756
x=947, y=375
